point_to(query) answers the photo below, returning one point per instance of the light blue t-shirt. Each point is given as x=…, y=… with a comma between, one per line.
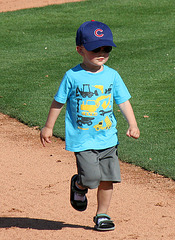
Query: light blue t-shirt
x=90, y=122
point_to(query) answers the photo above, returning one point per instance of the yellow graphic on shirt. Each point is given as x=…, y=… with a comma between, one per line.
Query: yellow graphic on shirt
x=83, y=128
x=101, y=87
x=101, y=125
x=90, y=106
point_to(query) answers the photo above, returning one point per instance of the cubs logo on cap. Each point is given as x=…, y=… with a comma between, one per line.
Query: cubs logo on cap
x=94, y=34
x=98, y=31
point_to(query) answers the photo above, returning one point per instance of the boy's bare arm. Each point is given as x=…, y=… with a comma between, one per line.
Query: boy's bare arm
x=127, y=111
x=47, y=131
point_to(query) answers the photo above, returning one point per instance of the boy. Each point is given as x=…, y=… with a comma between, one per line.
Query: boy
x=89, y=90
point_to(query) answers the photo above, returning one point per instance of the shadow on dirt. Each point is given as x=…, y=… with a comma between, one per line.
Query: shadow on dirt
x=39, y=224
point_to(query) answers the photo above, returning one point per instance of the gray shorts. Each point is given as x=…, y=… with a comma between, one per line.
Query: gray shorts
x=95, y=166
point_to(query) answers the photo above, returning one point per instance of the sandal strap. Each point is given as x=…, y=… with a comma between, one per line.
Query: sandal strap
x=105, y=224
x=83, y=191
x=102, y=215
x=109, y=223
x=75, y=189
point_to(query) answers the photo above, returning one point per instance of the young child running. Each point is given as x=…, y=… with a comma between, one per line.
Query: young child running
x=89, y=90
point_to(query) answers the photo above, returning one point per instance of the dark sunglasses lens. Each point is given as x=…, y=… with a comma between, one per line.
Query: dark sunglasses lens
x=106, y=49
x=96, y=50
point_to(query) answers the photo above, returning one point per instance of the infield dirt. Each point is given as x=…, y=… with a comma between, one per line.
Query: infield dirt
x=34, y=196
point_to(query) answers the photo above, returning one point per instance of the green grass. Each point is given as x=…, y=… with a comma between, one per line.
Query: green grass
x=37, y=46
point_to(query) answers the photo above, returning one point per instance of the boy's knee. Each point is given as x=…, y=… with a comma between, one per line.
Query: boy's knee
x=90, y=181
x=106, y=185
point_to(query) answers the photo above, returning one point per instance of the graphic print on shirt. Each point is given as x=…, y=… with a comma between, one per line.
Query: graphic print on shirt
x=85, y=91
x=92, y=102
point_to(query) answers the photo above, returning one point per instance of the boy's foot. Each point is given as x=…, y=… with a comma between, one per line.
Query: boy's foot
x=103, y=223
x=77, y=196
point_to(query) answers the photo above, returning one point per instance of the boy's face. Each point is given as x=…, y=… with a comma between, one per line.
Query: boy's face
x=95, y=59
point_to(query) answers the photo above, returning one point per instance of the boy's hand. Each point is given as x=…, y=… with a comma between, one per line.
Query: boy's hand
x=133, y=132
x=45, y=135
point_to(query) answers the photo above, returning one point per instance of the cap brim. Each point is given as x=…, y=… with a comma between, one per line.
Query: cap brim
x=93, y=45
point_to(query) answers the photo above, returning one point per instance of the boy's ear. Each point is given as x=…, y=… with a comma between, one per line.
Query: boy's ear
x=80, y=50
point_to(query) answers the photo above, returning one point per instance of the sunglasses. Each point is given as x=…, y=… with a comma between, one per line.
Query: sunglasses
x=106, y=49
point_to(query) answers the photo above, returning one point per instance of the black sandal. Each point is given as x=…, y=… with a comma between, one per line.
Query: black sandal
x=103, y=225
x=77, y=205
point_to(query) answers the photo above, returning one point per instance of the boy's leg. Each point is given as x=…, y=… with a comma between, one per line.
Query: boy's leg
x=88, y=177
x=104, y=195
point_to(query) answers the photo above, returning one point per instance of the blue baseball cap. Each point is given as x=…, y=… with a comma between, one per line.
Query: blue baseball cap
x=94, y=34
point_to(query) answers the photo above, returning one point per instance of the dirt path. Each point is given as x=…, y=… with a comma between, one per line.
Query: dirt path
x=11, y=5
x=34, y=196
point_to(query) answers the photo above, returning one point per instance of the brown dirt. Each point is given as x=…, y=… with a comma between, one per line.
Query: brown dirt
x=12, y=5
x=34, y=196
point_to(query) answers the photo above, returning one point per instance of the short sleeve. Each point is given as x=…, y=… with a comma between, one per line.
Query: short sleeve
x=63, y=90
x=120, y=91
